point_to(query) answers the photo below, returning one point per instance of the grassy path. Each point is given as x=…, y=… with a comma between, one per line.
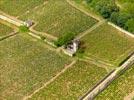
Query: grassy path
x=100, y=63
x=91, y=29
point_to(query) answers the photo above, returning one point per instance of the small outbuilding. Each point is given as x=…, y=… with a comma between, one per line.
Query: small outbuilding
x=72, y=47
x=28, y=23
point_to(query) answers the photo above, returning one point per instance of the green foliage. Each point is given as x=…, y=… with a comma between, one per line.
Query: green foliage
x=88, y=1
x=114, y=17
x=129, y=25
x=106, y=8
x=23, y=29
x=121, y=19
x=110, y=10
x=125, y=17
x=63, y=40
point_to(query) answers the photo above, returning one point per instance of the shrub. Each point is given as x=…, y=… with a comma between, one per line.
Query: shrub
x=23, y=29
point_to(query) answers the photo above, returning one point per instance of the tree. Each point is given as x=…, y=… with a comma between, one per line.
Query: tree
x=114, y=17
x=63, y=40
x=106, y=8
x=122, y=19
x=129, y=25
x=88, y=1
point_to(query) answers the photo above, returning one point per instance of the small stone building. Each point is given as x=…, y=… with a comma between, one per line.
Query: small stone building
x=72, y=47
x=28, y=23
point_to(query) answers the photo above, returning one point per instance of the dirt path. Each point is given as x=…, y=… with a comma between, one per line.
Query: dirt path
x=91, y=29
x=10, y=19
x=15, y=28
x=130, y=96
x=50, y=81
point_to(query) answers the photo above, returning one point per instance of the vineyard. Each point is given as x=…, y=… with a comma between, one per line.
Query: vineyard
x=108, y=44
x=5, y=30
x=57, y=17
x=26, y=64
x=121, y=87
x=15, y=7
x=76, y=81
x=33, y=60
